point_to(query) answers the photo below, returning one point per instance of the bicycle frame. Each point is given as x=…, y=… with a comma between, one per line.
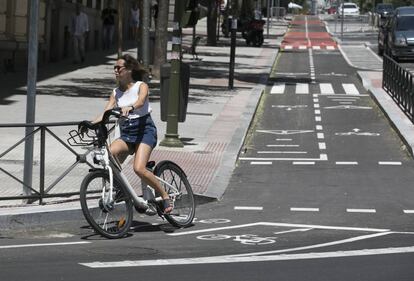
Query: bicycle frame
x=103, y=157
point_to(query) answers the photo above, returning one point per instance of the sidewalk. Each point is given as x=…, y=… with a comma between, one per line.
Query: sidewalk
x=217, y=119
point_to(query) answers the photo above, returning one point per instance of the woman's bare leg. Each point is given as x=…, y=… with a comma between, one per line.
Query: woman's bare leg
x=119, y=149
x=142, y=155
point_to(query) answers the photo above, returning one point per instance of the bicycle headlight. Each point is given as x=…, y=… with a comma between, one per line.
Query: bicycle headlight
x=400, y=41
x=97, y=159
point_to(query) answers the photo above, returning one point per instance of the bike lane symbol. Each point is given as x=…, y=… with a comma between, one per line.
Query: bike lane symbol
x=249, y=239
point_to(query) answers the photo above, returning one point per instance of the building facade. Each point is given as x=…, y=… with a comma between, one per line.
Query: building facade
x=54, y=23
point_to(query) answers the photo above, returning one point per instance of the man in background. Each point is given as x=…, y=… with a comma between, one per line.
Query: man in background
x=79, y=31
x=108, y=20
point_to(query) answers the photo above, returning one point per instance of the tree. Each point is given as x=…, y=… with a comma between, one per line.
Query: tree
x=161, y=37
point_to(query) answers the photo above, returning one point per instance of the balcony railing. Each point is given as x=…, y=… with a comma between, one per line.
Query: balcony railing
x=399, y=84
x=58, y=169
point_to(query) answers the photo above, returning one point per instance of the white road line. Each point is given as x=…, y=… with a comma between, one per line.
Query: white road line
x=322, y=157
x=316, y=105
x=361, y=211
x=248, y=208
x=282, y=152
x=326, y=88
x=343, y=100
x=390, y=163
x=317, y=111
x=322, y=145
x=277, y=89
x=288, y=47
x=320, y=136
x=304, y=209
x=408, y=211
x=43, y=245
x=303, y=163
x=346, y=163
x=276, y=224
x=282, y=145
x=261, y=163
x=350, y=89
x=302, y=88
x=319, y=127
x=316, y=100
x=338, y=242
x=318, y=119
x=283, y=139
x=251, y=258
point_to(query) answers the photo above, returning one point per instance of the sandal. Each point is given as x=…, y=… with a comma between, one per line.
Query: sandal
x=167, y=206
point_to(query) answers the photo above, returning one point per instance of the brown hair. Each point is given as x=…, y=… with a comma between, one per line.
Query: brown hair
x=138, y=72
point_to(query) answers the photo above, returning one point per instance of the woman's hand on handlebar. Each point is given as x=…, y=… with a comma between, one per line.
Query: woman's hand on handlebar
x=84, y=126
x=125, y=110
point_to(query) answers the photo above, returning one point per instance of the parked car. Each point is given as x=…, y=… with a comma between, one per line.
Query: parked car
x=396, y=35
x=349, y=9
x=384, y=9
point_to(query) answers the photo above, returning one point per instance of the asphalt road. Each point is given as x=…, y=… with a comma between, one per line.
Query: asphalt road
x=322, y=191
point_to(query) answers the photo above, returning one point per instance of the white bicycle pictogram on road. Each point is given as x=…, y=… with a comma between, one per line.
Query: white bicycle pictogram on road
x=246, y=239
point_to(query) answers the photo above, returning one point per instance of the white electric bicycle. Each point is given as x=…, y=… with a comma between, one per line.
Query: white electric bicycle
x=107, y=198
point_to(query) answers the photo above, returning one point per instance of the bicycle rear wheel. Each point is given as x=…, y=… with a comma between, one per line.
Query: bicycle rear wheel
x=184, y=203
x=110, y=218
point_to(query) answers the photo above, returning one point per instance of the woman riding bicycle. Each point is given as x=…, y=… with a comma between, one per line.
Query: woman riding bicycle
x=138, y=134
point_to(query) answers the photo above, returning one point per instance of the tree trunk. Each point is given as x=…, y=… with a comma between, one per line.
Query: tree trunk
x=161, y=37
x=212, y=23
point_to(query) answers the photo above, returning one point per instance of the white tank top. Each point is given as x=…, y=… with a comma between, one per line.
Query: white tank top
x=129, y=97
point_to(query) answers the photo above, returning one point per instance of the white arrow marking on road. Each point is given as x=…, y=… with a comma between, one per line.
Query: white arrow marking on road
x=284, y=132
x=357, y=133
x=289, y=107
x=348, y=107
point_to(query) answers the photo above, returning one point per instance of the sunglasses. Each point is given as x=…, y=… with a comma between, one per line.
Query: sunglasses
x=117, y=68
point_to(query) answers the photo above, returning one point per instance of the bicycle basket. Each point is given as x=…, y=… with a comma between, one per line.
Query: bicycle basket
x=78, y=139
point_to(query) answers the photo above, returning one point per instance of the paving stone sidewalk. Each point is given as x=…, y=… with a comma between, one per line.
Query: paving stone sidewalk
x=217, y=118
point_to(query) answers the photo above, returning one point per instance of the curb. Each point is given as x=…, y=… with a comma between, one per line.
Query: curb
x=218, y=185
x=398, y=120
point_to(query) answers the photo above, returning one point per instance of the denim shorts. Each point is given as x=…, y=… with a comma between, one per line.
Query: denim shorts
x=139, y=130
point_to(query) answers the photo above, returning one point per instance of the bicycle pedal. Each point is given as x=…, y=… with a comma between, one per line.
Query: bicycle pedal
x=149, y=211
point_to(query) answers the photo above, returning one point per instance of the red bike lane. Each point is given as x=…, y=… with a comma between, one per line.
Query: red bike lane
x=307, y=32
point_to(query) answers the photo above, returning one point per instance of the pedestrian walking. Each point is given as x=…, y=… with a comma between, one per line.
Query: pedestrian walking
x=108, y=21
x=134, y=21
x=79, y=31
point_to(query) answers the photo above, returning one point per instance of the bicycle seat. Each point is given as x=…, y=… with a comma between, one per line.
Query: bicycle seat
x=150, y=165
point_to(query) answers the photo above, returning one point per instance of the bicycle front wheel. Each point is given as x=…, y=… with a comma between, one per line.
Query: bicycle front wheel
x=110, y=217
x=175, y=183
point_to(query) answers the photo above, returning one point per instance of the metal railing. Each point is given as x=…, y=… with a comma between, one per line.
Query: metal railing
x=44, y=190
x=399, y=84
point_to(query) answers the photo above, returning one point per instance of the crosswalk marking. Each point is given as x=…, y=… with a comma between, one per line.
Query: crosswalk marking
x=326, y=89
x=346, y=91
x=302, y=88
x=350, y=89
x=278, y=89
x=304, y=47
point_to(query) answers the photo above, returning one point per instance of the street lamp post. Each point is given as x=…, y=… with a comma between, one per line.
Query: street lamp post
x=31, y=94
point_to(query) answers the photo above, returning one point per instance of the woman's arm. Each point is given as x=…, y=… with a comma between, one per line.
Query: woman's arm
x=143, y=95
